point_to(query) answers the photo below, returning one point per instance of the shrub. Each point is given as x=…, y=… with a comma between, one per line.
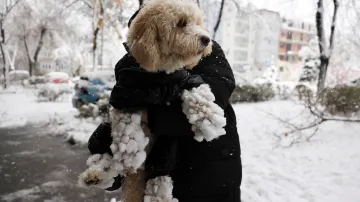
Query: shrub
x=341, y=100
x=303, y=92
x=282, y=90
x=252, y=93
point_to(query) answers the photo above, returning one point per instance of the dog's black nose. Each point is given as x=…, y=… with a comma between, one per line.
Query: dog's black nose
x=205, y=40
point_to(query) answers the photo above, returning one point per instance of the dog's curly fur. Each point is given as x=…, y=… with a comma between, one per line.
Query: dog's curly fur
x=166, y=35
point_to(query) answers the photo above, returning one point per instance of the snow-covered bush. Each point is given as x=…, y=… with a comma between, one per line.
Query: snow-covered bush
x=283, y=90
x=52, y=92
x=303, y=92
x=252, y=93
x=311, y=59
x=341, y=100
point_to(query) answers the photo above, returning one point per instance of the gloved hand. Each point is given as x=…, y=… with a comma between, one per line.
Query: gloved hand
x=190, y=81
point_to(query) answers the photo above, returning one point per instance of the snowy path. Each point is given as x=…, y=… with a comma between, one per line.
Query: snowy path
x=38, y=167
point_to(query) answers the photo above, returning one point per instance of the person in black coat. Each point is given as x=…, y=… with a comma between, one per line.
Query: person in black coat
x=205, y=171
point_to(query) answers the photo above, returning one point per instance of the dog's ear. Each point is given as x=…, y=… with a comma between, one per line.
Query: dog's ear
x=144, y=45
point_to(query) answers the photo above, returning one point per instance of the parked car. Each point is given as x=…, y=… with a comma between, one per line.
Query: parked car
x=57, y=77
x=90, y=87
x=34, y=80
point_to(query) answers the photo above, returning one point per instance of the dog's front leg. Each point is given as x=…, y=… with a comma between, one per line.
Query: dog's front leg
x=206, y=117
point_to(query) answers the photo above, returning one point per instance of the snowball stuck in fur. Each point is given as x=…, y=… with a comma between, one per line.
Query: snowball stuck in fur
x=206, y=117
x=159, y=189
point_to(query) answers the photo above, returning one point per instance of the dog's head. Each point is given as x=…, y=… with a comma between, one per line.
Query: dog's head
x=167, y=35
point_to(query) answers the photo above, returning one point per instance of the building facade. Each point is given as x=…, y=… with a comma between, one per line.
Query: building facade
x=250, y=39
x=294, y=35
x=254, y=39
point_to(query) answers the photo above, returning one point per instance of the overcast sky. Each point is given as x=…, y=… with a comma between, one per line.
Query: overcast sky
x=296, y=9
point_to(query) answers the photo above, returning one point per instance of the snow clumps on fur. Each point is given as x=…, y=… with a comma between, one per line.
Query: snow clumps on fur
x=129, y=141
x=206, y=117
x=159, y=189
x=100, y=173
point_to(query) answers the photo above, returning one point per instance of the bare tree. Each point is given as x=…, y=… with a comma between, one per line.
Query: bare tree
x=36, y=24
x=219, y=18
x=325, y=50
x=4, y=12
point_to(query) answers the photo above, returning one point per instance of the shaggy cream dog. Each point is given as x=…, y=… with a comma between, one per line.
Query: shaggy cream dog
x=166, y=35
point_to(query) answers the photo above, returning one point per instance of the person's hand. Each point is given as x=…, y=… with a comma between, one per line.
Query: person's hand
x=189, y=81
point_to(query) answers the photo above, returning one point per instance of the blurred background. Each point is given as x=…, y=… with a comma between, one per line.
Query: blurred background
x=296, y=65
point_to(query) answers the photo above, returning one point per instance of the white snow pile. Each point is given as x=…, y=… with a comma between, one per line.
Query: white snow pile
x=21, y=108
x=53, y=91
x=326, y=168
x=159, y=189
x=206, y=117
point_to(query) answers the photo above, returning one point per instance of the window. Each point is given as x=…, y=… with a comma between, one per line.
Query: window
x=289, y=35
x=242, y=41
x=301, y=37
x=281, y=69
x=282, y=45
x=281, y=57
x=291, y=24
x=288, y=47
x=302, y=25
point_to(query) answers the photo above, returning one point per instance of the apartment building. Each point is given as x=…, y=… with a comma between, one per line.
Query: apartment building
x=294, y=35
x=249, y=38
x=47, y=63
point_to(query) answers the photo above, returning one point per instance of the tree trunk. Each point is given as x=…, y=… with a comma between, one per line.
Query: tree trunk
x=324, y=63
x=99, y=23
x=219, y=18
x=4, y=65
x=2, y=36
x=141, y=2
x=39, y=46
x=325, y=50
x=31, y=67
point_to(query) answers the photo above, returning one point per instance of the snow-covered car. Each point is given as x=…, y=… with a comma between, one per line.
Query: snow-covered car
x=57, y=77
x=91, y=86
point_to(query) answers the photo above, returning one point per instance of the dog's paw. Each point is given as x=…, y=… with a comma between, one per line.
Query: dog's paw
x=99, y=173
x=206, y=117
x=159, y=189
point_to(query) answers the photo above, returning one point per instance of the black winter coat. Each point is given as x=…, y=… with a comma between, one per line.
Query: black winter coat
x=206, y=171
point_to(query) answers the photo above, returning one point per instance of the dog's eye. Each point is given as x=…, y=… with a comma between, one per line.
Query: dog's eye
x=182, y=23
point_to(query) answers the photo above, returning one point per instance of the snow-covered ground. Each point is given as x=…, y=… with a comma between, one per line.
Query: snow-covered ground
x=326, y=169
x=20, y=107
